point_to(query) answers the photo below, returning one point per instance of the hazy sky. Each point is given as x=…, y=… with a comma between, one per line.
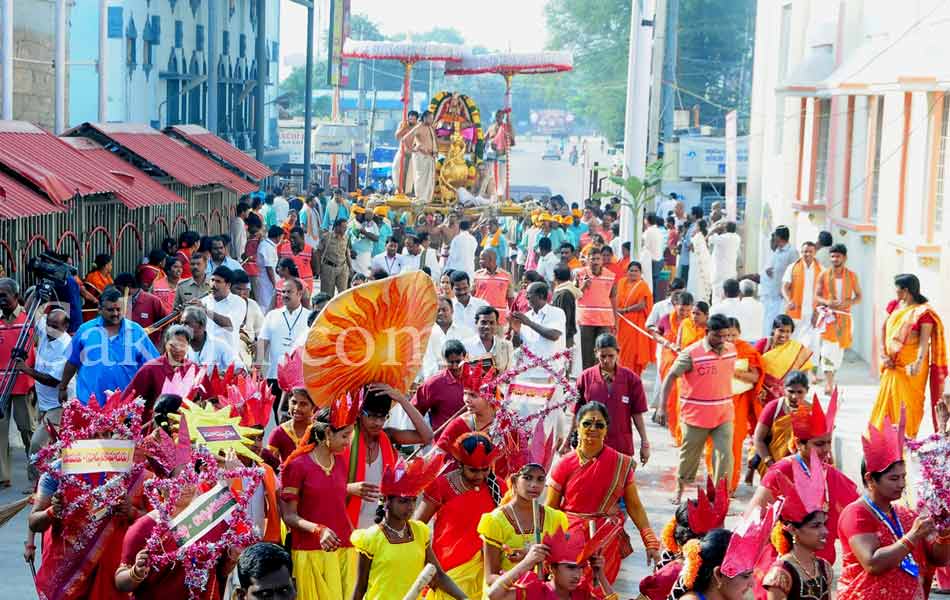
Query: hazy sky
x=495, y=24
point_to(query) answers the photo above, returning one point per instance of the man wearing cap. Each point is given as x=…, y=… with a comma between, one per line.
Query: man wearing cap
x=363, y=233
x=381, y=218
x=424, y=149
x=333, y=258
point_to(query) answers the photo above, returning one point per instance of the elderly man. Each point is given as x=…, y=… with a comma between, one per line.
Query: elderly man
x=267, y=267
x=750, y=313
x=12, y=318
x=226, y=310
x=251, y=327
x=147, y=383
x=487, y=344
x=106, y=352
x=204, y=349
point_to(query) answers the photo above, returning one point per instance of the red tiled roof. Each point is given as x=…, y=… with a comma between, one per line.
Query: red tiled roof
x=183, y=164
x=199, y=136
x=138, y=189
x=17, y=200
x=50, y=164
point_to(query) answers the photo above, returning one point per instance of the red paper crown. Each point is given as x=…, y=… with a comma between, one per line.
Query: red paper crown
x=709, y=509
x=474, y=376
x=885, y=446
x=814, y=422
x=571, y=547
x=343, y=411
x=165, y=454
x=290, y=371
x=536, y=449
x=807, y=493
x=187, y=384
x=474, y=449
x=407, y=480
x=216, y=385
x=749, y=540
x=251, y=399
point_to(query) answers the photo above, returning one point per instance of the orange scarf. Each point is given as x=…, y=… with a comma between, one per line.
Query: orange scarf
x=798, y=286
x=840, y=331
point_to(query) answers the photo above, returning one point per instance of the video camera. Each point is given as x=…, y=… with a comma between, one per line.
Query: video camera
x=50, y=266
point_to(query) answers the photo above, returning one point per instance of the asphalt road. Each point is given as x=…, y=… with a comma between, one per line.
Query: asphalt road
x=528, y=168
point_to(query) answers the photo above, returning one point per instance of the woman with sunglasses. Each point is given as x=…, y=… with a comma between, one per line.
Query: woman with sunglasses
x=457, y=500
x=589, y=483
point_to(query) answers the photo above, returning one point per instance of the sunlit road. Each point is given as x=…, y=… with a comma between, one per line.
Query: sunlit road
x=528, y=168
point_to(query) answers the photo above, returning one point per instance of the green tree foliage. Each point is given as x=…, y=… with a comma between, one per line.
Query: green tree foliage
x=714, y=66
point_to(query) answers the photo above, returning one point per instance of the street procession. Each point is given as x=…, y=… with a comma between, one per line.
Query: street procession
x=544, y=300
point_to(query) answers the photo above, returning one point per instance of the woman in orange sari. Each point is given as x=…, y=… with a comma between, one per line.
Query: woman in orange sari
x=634, y=303
x=100, y=277
x=588, y=484
x=913, y=353
x=781, y=355
x=669, y=327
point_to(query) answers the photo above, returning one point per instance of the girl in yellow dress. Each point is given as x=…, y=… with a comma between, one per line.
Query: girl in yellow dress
x=393, y=552
x=508, y=531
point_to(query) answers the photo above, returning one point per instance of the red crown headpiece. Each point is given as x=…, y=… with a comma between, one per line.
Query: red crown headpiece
x=343, y=411
x=571, y=548
x=474, y=376
x=408, y=479
x=806, y=493
x=290, y=371
x=808, y=423
x=885, y=446
x=164, y=454
x=251, y=399
x=709, y=509
x=749, y=540
x=536, y=449
x=187, y=384
x=216, y=385
x=474, y=449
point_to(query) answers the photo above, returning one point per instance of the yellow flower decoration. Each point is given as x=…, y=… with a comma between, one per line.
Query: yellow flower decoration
x=374, y=333
x=691, y=563
x=669, y=541
x=778, y=539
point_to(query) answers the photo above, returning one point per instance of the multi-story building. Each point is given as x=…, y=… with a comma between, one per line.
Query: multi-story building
x=849, y=134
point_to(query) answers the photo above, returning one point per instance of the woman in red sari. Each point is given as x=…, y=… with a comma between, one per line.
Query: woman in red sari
x=634, y=303
x=457, y=500
x=589, y=483
x=888, y=550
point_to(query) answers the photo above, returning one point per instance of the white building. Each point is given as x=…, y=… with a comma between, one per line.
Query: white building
x=849, y=134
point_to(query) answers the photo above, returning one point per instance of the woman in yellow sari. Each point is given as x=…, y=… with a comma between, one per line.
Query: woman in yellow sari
x=913, y=352
x=780, y=356
x=634, y=303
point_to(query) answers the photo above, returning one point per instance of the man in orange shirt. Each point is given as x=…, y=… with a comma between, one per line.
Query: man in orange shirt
x=493, y=285
x=837, y=291
x=596, y=308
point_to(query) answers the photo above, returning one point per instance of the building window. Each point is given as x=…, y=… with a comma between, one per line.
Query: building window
x=878, y=116
x=150, y=39
x=822, y=124
x=942, y=164
x=131, y=36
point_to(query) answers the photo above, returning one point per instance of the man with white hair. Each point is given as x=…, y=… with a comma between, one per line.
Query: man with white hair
x=750, y=312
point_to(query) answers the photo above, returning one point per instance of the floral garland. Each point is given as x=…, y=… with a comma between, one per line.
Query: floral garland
x=436, y=103
x=692, y=560
x=778, y=539
x=510, y=427
x=86, y=504
x=199, y=558
x=933, y=493
x=668, y=536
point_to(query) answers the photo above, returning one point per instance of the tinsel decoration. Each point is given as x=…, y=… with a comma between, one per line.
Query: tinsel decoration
x=512, y=63
x=199, y=558
x=933, y=491
x=88, y=499
x=403, y=51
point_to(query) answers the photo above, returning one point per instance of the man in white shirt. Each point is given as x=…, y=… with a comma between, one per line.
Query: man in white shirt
x=751, y=312
x=547, y=260
x=464, y=305
x=798, y=289
x=724, y=245
x=389, y=262
x=486, y=343
x=770, y=280
x=418, y=254
x=729, y=306
x=667, y=206
x=253, y=321
x=653, y=246
x=281, y=206
x=237, y=229
x=311, y=218
x=226, y=310
x=284, y=329
x=267, y=263
x=462, y=251
x=207, y=350
x=220, y=258
x=540, y=330
x=444, y=329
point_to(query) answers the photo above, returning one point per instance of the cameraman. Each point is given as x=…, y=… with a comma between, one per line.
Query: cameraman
x=12, y=318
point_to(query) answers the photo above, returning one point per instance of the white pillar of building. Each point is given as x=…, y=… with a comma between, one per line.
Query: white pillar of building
x=103, y=64
x=59, y=69
x=6, y=46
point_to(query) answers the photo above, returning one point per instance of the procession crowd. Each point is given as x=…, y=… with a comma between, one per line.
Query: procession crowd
x=343, y=513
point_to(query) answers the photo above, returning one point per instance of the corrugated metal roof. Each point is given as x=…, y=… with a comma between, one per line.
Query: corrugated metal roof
x=139, y=189
x=17, y=200
x=222, y=150
x=49, y=163
x=172, y=156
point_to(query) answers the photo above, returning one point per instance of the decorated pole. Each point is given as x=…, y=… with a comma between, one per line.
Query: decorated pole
x=508, y=137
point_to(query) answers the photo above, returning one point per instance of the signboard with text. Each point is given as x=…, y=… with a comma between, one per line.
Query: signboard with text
x=706, y=157
x=339, y=30
x=98, y=456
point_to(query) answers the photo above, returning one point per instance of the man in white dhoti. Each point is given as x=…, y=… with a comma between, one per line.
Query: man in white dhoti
x=402, y=163
x=770, y=280
x=724, y=245
x=424, y=149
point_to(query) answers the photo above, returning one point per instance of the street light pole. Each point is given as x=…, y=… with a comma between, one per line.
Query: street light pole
x=308, y=104
x=262, y=63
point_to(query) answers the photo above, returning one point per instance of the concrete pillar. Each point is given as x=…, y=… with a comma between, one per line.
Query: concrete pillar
x=103, y=64
x=59, y=72
x=6, y=46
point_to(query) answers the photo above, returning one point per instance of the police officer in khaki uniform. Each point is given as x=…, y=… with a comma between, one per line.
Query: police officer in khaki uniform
x=333, y=256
